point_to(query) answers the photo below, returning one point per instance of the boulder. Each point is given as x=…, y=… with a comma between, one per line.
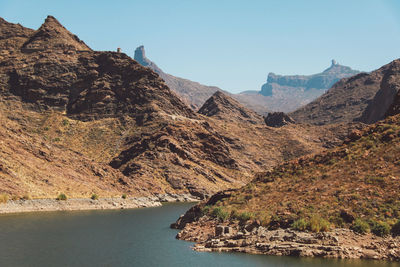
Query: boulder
x=278, y=119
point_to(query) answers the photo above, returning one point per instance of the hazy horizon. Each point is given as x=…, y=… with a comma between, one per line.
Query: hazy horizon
x=230, y=44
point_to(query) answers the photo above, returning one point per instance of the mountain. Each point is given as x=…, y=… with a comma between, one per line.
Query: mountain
x=385, y=100
x=226, y=108
x=364, y=97
x=319, y=81
x=286, y=93
x=192, y=93
x=79, y=121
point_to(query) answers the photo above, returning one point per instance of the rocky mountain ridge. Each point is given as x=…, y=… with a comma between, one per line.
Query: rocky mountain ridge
x=365, y=97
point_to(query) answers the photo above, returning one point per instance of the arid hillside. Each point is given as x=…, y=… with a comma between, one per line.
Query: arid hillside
x=353, y=186
x=80, y=121
x=364, y=97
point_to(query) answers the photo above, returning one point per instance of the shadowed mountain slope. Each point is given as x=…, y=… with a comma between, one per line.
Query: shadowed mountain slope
x=353, y=98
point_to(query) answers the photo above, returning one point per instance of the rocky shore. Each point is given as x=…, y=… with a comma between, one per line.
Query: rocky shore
x=33, y=205
x=255, y=239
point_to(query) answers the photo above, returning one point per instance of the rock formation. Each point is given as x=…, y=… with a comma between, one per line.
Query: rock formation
x=278, y=119
x=384, y=101
x=365, y=97
x=320, y=81
x=192, y=93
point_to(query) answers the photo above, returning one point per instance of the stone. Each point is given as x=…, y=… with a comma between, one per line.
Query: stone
x=278, y=119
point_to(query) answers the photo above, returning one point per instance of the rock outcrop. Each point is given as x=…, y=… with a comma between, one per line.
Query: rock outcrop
x=278, y=119
x=224, y=107
x=192, y=93
x=320, y=81
x=384, y=102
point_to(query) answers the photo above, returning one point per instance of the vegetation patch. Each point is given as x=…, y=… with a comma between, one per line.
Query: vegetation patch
x=94, y=197
x=62, y=196
x=360, y=226
x=3, y=198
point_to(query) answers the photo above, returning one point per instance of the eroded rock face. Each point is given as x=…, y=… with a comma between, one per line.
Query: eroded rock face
x=320, y=81
x=278, y=119
x=55, y=70
x=384, y=102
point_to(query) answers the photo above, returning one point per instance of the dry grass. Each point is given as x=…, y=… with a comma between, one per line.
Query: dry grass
x=3, y=198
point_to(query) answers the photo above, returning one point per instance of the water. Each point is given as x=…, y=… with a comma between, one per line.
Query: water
x=140, y=237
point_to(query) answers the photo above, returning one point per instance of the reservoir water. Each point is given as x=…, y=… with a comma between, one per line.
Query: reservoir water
x=138, y=237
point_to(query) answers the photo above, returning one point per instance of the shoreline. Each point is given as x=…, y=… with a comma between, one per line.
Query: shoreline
x=76, y=204
x=338, y=243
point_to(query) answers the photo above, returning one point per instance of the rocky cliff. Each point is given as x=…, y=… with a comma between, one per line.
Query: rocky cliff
x=320, y=81
x=364, y=97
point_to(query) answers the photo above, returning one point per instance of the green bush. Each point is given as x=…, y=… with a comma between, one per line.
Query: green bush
x=3, y=198
x=245, y=216
x=65, y=122
x=220, y=214
x=396, y=228
x=360, y=226
x=318, y=224
x=380, y=228
x=94, y=197
x=26, y=196
x=124, y=196
x=300, y=224
x=62, y=196
x=205, y=210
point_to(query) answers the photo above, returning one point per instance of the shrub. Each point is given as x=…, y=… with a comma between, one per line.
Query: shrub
x=220, y=214
x=65, y=122
x=3, y=198
x=245, y=216
x=360, y=226
x=317, y=224
x=205, y=210
x=300, y=224
x=380, y=228
x=62, y=196
x=396, y=228
x=124, y=196
x=94, y=197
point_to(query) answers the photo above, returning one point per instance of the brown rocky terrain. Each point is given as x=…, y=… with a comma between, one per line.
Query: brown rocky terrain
x=354, y=186
x=364, y=97
x=79, y=121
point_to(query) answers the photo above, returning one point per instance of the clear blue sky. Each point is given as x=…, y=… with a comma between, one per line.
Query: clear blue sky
x=227, y=43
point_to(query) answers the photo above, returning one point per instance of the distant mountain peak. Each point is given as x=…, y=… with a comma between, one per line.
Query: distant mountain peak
x=319, y=81
x=52, y=35
x=140, y=57
x=140, y=54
